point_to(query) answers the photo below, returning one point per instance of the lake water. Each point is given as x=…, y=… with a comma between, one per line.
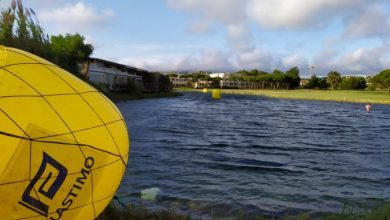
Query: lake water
x=256, y=155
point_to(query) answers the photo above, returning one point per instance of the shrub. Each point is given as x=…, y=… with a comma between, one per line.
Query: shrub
x=353, y=83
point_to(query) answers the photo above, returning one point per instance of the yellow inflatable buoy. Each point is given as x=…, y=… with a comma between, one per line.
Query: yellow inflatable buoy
x=64, y=145
x=216, y=94
x=205, y=90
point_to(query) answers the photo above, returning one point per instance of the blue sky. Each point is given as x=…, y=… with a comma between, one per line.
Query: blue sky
x=351, y=36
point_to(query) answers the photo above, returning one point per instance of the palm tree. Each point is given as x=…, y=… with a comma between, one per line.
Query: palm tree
x=333, y=78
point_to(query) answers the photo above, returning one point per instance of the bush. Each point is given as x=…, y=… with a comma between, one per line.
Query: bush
x=371, y=87
x=353, y=83
x=382, y=80
x=316, y=83
x=139, y=213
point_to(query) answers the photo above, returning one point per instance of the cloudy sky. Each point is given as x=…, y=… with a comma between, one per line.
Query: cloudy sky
x=351, y=36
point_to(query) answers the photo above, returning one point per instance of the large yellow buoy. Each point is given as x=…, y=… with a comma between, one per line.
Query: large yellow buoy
x=64, y=145
x=216, y=94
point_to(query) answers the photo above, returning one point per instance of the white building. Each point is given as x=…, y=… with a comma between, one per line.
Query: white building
x=220, y=75
x=179, y=82
x=114, y=75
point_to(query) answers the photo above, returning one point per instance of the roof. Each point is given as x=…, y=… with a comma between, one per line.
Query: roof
x=118, y=65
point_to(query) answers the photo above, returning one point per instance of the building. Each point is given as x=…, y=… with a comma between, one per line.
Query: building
x=215, y=75
x=151, y=82
x=179, y=82
x=200, y=84
x=114, y=76
x=302, y=82
x=240, y=84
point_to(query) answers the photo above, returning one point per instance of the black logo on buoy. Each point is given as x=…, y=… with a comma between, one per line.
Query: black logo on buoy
x=47, y=189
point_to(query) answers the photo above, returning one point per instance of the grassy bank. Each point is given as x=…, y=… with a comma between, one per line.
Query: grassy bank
x=141, y=213
x=374, y=97
x=113, y=212
x=134, y=96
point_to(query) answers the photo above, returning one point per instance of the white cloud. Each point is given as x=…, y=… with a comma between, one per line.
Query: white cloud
x=207, y=60
x=257, y=59
x=225, y=11
x=161, y=47
x=76, y=18
x=200, y=26
x=372, y=21
x=359, y=18
x=298, y=14
x=295, y=60
x=240, y=38
x=360, y=60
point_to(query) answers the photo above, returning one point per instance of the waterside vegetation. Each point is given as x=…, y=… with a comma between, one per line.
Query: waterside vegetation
x=113, y=212
x=277, y=80
x=374, y=97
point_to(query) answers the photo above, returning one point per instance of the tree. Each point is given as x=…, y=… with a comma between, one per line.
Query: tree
x=322, y=84
x=333, y=78
x=70, y=49
x=234, y=77
x=263, y=78
x=316, y=83
x=292, y=78
x=353, y=83
x=253, y=72
x=242, y=72
x=383, y=79
x=6, y=27
x=19, y=27
x=215, y=82
x=278, y=77
x=172, y=74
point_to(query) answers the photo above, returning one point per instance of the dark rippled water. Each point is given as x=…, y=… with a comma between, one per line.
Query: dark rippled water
x=256, y=155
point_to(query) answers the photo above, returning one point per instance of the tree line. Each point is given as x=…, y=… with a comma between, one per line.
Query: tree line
x=334, y=80
x=291, y=80
x=274, y=80
x=20, y=28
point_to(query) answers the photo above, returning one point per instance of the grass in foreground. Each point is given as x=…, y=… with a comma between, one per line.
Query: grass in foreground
x=374, y=97
x=141, y=213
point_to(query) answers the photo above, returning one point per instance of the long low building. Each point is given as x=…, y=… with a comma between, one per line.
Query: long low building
x=239, y=84
x=113, y=75
x=116, y=76
x=180, y=82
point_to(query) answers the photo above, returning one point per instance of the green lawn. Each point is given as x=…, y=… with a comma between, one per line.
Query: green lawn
x=374, y=97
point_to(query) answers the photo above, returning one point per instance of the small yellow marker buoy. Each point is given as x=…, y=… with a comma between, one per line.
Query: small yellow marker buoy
x=216, y=94
x=205, y=90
